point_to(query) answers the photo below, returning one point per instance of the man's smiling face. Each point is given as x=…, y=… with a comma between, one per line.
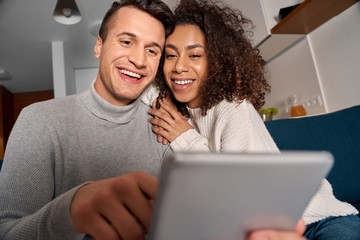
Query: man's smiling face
x=130, y=55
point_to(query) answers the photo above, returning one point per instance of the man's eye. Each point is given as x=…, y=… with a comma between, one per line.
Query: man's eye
x=152, y=52
x=125, y=43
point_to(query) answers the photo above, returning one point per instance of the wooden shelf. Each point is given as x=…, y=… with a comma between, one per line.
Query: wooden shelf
x=309, y=15
x=10, y=106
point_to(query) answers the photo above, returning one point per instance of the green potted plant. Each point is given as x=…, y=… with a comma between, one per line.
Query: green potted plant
x=268, y=113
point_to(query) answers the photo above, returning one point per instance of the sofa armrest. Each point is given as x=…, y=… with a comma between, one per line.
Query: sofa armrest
x=338, y=133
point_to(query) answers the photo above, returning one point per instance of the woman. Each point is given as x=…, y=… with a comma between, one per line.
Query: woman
x=215, y=77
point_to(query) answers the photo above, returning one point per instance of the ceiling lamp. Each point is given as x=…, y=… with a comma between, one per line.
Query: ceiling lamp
x=66, y=12
x=4, y=75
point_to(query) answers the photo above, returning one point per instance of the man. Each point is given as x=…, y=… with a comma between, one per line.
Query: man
x=85, y=166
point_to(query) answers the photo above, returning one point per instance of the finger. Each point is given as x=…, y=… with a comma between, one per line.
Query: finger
x=275, y=235
x=160, y=138
x=148, y=185
x=102, y=230
x=161, y=114
x=170, y=109
x=123, y=221
x=162, y=132
x=300, y=226
x=132, y=193
x=155, y=104
x=159, y=123
x=86, y=216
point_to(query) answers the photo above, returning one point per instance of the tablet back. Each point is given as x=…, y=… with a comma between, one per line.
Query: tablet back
x=213, y=196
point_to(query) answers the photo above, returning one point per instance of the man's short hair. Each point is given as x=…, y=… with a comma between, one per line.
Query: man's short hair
x=156, y=8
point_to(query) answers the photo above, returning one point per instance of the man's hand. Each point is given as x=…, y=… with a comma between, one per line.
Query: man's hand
x=280, y=235
x=115, y=208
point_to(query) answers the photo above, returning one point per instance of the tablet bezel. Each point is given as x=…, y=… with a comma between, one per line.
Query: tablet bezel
x=187, y=207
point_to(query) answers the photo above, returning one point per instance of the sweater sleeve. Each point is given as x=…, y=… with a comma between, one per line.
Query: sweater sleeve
x=240, y=128
x=190, y=141
x=28, y=207
x=324, y=204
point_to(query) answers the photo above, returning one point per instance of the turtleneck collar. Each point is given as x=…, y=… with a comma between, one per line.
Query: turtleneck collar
x=107, y=111
x=195, y=113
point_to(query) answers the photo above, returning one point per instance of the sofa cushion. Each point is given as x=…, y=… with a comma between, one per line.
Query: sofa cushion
x=338, y=133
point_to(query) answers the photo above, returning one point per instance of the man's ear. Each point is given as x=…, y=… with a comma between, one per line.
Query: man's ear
x=97, y=48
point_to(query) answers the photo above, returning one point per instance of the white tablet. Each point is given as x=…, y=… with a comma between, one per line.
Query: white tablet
x=224, y=196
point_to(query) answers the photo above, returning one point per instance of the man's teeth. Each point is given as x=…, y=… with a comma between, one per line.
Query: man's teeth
x=131, y=74
x=183, y=82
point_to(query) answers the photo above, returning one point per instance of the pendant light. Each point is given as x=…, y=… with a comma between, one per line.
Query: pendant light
x=66, y=12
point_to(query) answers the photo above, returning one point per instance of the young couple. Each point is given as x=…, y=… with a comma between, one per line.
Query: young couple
x=85, y=166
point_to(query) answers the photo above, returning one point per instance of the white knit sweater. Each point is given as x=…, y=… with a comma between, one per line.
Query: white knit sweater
x=231, y=126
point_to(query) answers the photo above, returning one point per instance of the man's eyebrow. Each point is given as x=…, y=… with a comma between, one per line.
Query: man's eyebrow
x=134, y=36
x=126, y=33
x=192, y=46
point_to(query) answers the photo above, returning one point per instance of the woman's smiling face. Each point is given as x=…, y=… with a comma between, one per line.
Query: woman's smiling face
x=186, y=64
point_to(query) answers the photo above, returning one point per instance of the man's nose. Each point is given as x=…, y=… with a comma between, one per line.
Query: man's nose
x=137, y=57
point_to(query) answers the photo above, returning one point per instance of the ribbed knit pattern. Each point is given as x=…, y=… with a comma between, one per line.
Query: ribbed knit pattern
x=324, y=204
x=57, y=146
x=226, y=127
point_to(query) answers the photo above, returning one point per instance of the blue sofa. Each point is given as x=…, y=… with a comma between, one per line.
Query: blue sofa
x=338, y=133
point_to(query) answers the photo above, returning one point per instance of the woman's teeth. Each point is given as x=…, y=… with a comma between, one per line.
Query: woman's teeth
x=131, y=74
x=183, y=82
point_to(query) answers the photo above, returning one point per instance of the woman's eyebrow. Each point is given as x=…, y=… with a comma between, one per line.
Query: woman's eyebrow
x=172, y=46
x=192, y=46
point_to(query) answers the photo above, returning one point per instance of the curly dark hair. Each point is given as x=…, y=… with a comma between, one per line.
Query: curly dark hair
x=236, y=69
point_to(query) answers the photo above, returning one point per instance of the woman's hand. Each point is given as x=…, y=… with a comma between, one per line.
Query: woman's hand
x=297, y=234
x=167, y=122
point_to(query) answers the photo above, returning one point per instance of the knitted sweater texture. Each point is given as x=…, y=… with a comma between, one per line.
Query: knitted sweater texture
x=230, y=126
x=58, y=146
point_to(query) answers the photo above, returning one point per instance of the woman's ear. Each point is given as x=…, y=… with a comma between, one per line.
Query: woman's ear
x=97, y=48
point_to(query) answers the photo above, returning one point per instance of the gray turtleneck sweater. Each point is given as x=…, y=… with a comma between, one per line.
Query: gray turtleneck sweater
x=56, y=146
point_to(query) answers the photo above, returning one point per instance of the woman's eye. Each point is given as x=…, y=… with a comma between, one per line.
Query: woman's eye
x=170, y=56
x=195, y=56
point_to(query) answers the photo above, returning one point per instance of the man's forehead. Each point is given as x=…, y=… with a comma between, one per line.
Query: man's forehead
x=141, y=24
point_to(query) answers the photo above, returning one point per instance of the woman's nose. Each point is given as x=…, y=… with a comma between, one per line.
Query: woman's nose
x=181, y=65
